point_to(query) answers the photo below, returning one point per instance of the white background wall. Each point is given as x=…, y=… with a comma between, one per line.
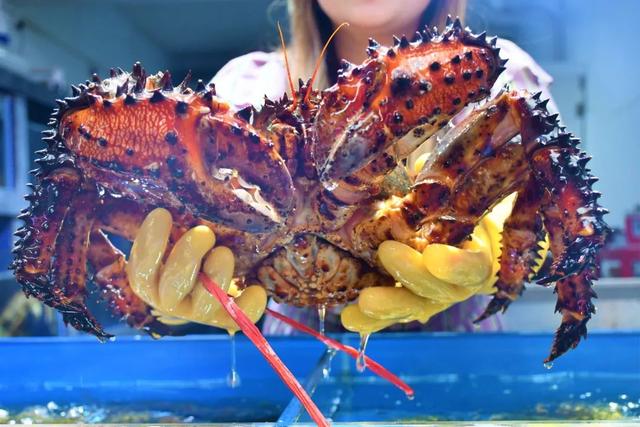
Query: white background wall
x=603, y=38
x=596, y=40
x=593, y=40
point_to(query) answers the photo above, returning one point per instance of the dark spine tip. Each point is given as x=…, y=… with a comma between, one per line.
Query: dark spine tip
x=137, y=69
x=404, y=42
x=140, y=77
x=476, y=39
x=245, y=114
x=156, y=97
x=449, y=21
x=542, y=105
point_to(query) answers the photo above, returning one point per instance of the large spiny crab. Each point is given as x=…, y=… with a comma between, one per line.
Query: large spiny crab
x=305, y=189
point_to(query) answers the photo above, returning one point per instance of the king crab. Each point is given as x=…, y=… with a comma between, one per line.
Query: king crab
x=304, y=190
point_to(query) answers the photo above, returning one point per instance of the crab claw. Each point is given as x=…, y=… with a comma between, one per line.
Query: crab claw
x=574, y=302
x=400, y=96
x=186, y=150
x=246, y=166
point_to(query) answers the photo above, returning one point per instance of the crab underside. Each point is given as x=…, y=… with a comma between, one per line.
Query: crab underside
x=305, y=189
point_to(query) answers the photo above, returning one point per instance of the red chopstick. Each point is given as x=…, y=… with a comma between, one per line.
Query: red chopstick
x=253, y=333
x=371, y=364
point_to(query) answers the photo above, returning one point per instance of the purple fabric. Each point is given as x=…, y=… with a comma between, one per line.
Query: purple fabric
x=246, y=80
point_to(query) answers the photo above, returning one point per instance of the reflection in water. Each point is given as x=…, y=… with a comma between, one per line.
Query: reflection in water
x=457, y=397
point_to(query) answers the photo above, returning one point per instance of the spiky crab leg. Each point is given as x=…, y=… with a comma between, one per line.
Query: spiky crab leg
x=574, y=220
x=146, y=140
x=510, y=144
x=108, y=265
x=52, y=247
x=378, y=112
x=522, y=232
x=473, y=167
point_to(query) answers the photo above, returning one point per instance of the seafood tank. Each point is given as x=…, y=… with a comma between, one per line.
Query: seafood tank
x=456, y=377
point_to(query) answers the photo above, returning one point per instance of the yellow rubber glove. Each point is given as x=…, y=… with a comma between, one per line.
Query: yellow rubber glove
x=431, y=281
x=173, y=289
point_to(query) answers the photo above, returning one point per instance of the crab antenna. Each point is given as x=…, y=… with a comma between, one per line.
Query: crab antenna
x=319, y=62
x=286, y=63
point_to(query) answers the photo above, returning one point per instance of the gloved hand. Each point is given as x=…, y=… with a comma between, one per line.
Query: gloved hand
x=173, y=289
x=431, y=281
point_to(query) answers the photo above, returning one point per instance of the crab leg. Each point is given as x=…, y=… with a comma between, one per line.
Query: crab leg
x=522, y=232
x=53, y=247
x=473, y=167
x=232, y=143
x=403, y=88
x=574, y=221
x=108, y=264
x=379, y=112
x=180, y=148
x=573, y=216
x=574, y=302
